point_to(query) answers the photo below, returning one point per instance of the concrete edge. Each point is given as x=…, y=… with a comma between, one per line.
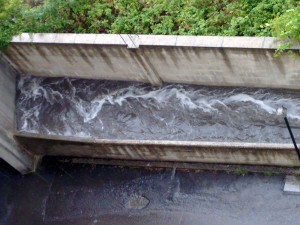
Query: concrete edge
x=163, y=151
x=20, y=159
x=245, y=145
x=292, y=184
x=135, y=41
x=196, y=166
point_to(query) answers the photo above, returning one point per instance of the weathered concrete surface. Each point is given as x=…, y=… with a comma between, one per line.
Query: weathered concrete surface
x=223, y=61
x=176, y=151
x=71, y=194
x=292, y=184
x=9, y=151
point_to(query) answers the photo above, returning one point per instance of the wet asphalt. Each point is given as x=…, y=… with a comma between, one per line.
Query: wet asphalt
x=82, y=194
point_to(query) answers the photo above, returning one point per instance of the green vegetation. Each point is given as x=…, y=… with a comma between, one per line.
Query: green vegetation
x=11, y=20
x=185, y=17
x=241, y=171
x=267, y=173
x=287, y=28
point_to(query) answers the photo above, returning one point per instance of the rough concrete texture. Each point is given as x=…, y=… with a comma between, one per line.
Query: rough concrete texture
x=218, y=61
x=153, y=150
x=9, y=150
x=292, y=184
x=86, y=195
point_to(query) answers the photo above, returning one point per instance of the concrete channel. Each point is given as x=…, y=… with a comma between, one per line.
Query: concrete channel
x=217, y=61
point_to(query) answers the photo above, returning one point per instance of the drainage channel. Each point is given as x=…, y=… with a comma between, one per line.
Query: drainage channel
x=135, y=111
x=170, y=123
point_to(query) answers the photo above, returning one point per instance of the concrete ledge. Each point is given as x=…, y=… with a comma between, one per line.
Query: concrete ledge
x=175, y=151
x=136, y=40
x=157, y=40
x=243, y=42
x=203, y=60
x=200, y=41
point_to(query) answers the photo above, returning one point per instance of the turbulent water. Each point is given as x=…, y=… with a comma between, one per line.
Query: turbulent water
x=129, y=110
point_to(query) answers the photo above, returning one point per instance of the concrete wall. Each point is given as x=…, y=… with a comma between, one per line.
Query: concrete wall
x=167, y=151
x=223, y=61
x=220, y=61
x=9, y=150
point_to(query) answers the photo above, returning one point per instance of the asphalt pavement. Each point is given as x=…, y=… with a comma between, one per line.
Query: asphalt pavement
x=82, y=194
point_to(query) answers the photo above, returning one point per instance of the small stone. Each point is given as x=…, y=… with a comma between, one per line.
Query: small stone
x=137, y=202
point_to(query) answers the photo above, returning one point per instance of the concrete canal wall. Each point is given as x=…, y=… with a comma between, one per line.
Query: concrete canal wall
x=166, y=151
x=217, y=61
x=9, y=149
x=204, y=60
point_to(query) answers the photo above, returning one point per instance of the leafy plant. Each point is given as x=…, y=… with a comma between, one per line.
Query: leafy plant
x=241, y=171
x=287, y=28
x=218, y=17
x=11, y=22
x=267, y=173
x=185, y=17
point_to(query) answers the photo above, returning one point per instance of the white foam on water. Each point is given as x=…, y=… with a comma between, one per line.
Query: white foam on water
x=84, y=108
x=247, y=98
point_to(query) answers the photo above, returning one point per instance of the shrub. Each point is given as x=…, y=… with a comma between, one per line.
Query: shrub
x=185, y=17
x=11, y=20
x=206, y=17
x=287, y=28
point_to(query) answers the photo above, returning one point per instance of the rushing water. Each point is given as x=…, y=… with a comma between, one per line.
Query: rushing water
x=129, y=110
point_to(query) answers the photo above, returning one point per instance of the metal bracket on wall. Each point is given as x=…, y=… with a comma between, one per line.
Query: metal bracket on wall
x=283, y=111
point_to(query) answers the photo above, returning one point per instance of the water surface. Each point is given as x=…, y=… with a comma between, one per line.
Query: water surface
x=130, y=110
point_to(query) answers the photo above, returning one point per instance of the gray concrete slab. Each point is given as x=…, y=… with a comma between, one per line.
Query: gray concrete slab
x=9, y=149
x=292, y=184
x=81, y=194
x=205, y=60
